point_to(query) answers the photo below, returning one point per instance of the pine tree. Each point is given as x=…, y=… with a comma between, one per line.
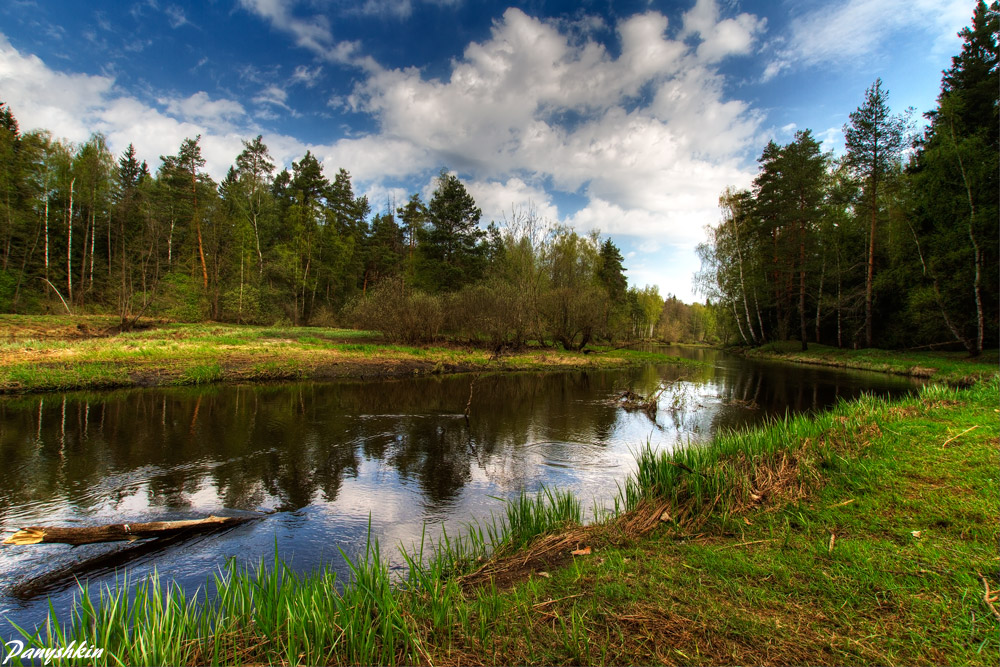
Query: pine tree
x=874, y=142
x=955, y=185
x=452, y=252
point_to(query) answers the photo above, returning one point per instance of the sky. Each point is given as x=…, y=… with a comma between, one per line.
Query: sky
x=629, y=118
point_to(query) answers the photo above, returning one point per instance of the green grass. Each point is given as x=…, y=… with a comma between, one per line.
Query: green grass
x=201, y=374
x=854, y=536
x=46, y=354
x=34, y=377
x=951, y=367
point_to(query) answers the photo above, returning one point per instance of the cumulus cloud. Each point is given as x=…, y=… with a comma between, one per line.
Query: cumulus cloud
x=73, y=105
x=720, y=38
x=499, y=200
x=652, y=141
x=854, y=29
x=216, y=114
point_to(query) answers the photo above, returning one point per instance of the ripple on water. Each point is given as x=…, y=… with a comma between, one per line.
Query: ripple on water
x=577, y=455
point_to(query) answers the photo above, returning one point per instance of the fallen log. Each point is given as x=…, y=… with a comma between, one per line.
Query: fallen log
x=78, y=571
x=120, y=531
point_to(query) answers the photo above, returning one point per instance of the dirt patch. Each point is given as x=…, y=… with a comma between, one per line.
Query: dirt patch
x=75, y=329
x=543, y=554
x=901, y=413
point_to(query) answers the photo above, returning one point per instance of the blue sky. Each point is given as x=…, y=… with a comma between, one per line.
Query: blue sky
x=627, y=117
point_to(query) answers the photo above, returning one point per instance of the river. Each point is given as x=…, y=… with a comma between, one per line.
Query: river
x=331, y=459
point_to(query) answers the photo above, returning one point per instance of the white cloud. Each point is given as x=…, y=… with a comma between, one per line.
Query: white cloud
x=312, y=33
x=216, y=114
x=499, y=200
x=832, y=139
x=851, y=30
x=176, y=16
x=62, y=103
x=306, y=76
x=648, y=171
x=398, y=9
x=723, y=38
x=72, y=106
x=274, y=96
x=646, y=134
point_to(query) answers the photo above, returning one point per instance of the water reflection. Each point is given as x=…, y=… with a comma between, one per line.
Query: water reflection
x=331, y=456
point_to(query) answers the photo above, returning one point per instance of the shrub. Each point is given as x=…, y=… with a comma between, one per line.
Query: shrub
x=400, y=313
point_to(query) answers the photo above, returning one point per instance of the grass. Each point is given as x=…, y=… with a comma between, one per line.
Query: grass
x=858, y=535
x=955, y=368
x=58, y=353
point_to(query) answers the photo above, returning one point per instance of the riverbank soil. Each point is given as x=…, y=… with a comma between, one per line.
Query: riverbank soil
x=46, y=353
x=884, y=559
x=954, y=368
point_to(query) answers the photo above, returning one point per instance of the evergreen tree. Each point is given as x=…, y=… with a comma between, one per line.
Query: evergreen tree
x=874, y=142
x=955, y=188
x=451, y=250
x=611, y=272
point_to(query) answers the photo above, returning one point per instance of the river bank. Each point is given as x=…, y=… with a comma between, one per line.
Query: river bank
x=48, y=353
x=859, y=535
x=953, y=368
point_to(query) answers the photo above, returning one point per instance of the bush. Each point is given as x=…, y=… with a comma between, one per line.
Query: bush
x=245, y=308
x=182, y=298
x=495, y=313
x=401, y=314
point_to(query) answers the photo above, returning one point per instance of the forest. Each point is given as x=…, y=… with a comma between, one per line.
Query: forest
x=892, y=245
x=83, y=231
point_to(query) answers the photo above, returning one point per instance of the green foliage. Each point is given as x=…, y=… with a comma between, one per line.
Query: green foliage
x=181, y=298
x=859, y=252
x=452, y=251
x=954, y=191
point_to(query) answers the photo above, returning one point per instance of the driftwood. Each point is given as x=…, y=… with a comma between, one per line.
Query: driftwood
x=632, y=401
x=121, y=531
x=95, y=566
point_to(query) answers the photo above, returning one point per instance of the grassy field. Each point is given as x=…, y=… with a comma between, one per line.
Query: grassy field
x=955, y=368
x=45, y=353
x=866, y=534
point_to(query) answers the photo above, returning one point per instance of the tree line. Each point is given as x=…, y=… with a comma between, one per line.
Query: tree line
x=894, y=244
x=82, y=230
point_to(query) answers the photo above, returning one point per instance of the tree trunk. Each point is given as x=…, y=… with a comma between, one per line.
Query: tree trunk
x=46, y=225
x=743, y=289
x=93, y=236
x=819, y=296
x=736, y=315
x=940, y=301
x=69, y=244
x=980, y=324
x=170, y=244
x=119, y=531
x=760, y=320
x=802, y=285
x=201, y=253
x=83, y=264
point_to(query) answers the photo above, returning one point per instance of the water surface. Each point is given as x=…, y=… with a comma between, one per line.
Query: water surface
x=333, y=458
